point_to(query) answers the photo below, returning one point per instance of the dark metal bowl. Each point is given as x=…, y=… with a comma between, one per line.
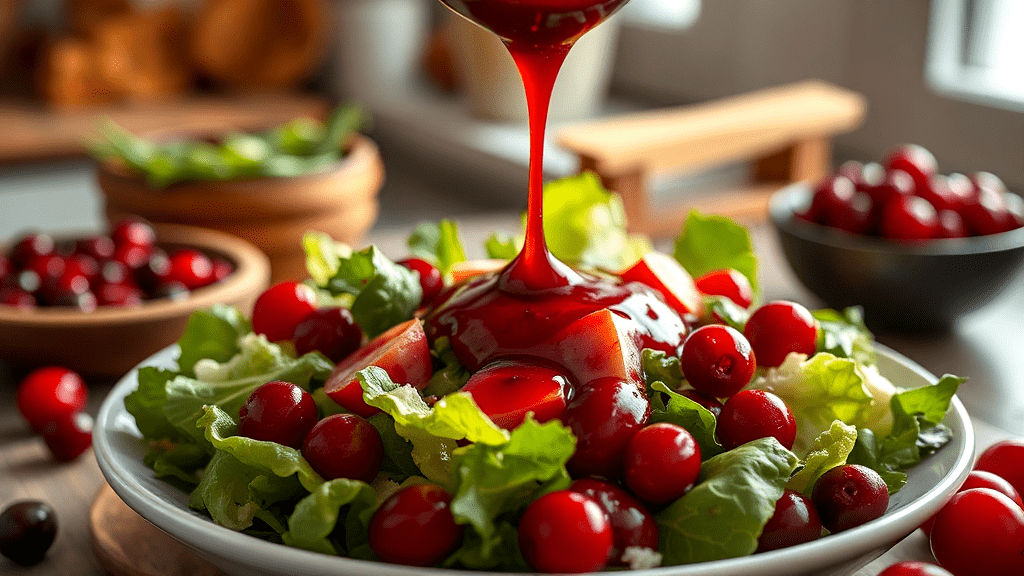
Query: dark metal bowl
x=908, y=287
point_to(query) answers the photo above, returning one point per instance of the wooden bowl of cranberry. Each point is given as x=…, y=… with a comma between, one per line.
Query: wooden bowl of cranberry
x=100, y=304
x=916, y=248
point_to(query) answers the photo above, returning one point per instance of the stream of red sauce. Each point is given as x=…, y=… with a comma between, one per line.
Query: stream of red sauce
x=537, y=295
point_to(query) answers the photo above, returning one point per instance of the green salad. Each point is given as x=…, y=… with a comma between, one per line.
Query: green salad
x=846, y=412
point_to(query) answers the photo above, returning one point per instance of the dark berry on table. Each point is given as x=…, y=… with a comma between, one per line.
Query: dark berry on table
x=430, y=278
x=604, y=415
x=278, y=412
x=68, y=436
x=951, y=225
x=99, y=247
x=344, y=446
x=507, y=390
x=280, y=308
x=794, y=521
x=662, y=463
x=134, y=231
x=415, y=527
x=565, y=532
x=50, y=392
x=778, y=328
x=632, y=524
x=27, y=530
x=753, y=414
x=717, y=360
x=29, y=247
x=120, y=295
x=708, y=402
x=331, y=331
x=909, y=218
x=848, y=496
x=914, y=568
x=729, y=283
x=192, y=268
x=914, y=160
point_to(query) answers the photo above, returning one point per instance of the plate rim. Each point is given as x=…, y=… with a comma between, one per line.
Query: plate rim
x=182, y=524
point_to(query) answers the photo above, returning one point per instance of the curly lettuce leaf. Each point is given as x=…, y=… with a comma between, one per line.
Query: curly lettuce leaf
x=323, y=255
x=830, y=449
x=696, y=419
x=502, y=246
x=709, y=242
x=214, y=334
x=438, y=244
x=235, y=494
x=312, y=524
x=723, y=515
x=728, y=312
x=661, y=367
x=843, y=334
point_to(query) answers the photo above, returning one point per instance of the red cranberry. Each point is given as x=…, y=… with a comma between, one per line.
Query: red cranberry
x=632, y=524
x=604, y=415
x=855, y=216
x=914, y=160
x=50, y=392
x=1006, y=460
x=113, y=272
x=17, y=298
x=848, y=496
x=794, y=521
x=662, y=463
x=430, y=278
x=914, y=569
x=961, y=190
x=121, y=295
x=778, y=328
x=708, y=402
x=47, y=266
x=753, y=414
x=507, y=390
x=909, y=218
x=979, y=532
x=134, y=232
x=565, y=532
x=280, y=309
x=98, y=247
x=871, y=175
x=894, y=184
x=68, y=435
x=29, y=247
x=988, y=181
x=344, y=446
x=988, y=215
x=278, y=412
x=27, y=530
x=331, y=331
x=982, y=479
x=939, y=193
x=829, y=196
x=717, y=360
x=156, y=271
x=192, y=268
x=729, y=283
x=222, y=269
x=415, y=527
x=82, y=265
x=852, y=169
x=132, y=256
x=951, y=225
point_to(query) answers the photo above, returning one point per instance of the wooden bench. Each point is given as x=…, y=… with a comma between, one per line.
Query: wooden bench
x=784, y=133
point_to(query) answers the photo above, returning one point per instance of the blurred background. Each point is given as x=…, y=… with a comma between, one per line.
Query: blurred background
x=447, y=106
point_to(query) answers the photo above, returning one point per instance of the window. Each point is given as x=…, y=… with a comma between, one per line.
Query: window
x=976, y=51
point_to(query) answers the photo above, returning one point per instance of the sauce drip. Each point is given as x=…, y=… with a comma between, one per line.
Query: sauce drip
x=537, y=295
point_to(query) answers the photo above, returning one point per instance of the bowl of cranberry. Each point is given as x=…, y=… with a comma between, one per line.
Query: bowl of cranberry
x=916, y=248
x=100, y=304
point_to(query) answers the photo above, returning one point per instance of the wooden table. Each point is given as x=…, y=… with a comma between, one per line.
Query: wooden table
x=985, y=348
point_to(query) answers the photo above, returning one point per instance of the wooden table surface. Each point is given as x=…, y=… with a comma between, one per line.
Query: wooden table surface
x=985, y=348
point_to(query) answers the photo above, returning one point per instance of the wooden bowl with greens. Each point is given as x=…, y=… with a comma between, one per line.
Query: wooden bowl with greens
x=268, y=188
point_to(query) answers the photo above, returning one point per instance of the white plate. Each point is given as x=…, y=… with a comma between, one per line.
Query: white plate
x=120, y=452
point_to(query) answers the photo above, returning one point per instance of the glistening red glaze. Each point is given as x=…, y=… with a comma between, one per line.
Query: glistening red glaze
x=729, y=283
x=507, y=390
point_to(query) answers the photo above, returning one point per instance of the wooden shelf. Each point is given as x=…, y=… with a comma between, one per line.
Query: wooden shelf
x=33, y=132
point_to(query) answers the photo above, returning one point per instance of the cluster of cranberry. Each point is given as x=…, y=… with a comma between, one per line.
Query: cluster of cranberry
x=52, y=400
x=907, y=199
x=121, y=269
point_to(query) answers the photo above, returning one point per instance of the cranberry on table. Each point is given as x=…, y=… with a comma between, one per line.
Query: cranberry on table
x=795, y=521
x=848, y=496
x=909, y=218
x=133, y=232
x=778, y=328
x=331, y=331
x=979, y=531
x=1006, y=460
x=632, y=524
x=604, y=416
x=27, y=529
x=914, y=160
x=662, y=463
x=914, y=569
x=278, y=412
x=280, y=309
x=752, y=414
x=729, y=283
x=415, y=527
x=565, y=532
x=717, y=360
x=68, y=436
x=50, y=392
x=982, y=479
x=344, y=446
x=430, y=278
x=507, y=390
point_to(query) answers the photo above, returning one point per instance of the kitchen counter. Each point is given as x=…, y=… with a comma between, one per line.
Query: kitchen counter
x=985, y=348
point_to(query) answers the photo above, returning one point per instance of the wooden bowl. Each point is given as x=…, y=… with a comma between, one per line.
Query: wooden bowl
x=271, y=213
x=110, y=341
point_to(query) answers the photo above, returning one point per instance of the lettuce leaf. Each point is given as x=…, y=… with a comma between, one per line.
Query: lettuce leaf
x=213, y=333
x=494, y=480
x=661, y=367
x=697, y=420
x=709, y=243
x=311, y=524
x=502, y=246
x=723, y=515
x=830, y=449
x=235, y=494
x=844, y=334
x=728, y=312
x=323, y=256
x=438, y=244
